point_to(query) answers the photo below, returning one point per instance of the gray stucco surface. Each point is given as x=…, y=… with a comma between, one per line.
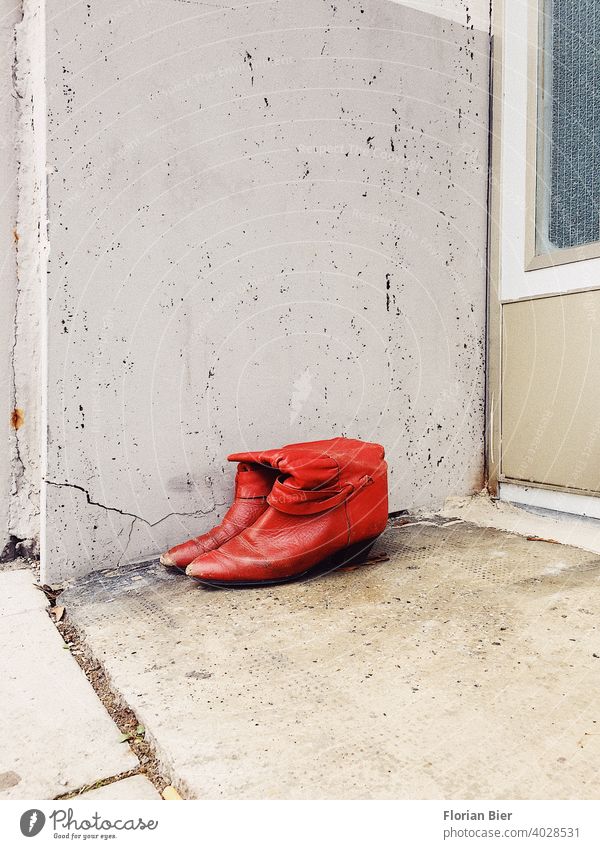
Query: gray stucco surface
x=267, y=224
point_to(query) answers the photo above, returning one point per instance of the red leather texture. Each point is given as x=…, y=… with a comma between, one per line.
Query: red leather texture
x=328, y=495
x=252, y=485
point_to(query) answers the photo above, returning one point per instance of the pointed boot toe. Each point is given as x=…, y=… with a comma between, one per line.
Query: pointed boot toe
x=211, y=568
x=167, y=560
x=179, y=556
x=253, y=483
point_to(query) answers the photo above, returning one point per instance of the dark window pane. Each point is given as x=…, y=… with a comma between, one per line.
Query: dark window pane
x=574, y=35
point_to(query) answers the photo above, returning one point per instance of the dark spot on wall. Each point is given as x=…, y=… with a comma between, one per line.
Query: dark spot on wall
x=248, y=60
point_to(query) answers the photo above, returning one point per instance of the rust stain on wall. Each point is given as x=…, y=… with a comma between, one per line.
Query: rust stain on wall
x=17, y=418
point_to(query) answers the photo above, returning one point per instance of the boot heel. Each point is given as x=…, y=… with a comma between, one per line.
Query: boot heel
x=354, y=554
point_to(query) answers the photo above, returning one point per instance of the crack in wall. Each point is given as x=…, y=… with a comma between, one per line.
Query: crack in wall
x=135, y=516
x=124, y=552
x=31, y=240
x=18, y=467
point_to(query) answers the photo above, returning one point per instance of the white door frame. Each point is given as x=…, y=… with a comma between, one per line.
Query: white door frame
x=513, y=273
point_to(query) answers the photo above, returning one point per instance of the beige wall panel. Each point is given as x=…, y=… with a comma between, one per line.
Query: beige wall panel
x=551, y=391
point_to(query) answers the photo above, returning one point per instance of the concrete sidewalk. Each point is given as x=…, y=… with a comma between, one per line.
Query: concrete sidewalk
x=467, y=666
x=57, y=736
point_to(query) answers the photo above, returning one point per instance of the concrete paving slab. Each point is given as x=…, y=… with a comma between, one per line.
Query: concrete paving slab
x=19, y=592
x=56, y=734
x=136, y=787
x=467, y=666
x=579, y=531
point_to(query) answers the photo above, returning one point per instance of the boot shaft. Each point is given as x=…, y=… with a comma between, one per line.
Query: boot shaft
x=318, y=477
x=326, y=463
x=253, y=480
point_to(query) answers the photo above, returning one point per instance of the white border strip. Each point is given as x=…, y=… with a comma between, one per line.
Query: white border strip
x=550, y=499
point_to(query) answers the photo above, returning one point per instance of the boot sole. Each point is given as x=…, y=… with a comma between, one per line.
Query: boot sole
x=350, y=556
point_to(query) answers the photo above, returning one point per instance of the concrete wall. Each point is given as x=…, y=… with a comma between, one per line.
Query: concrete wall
x=267, y=224
x=9, y=15
x=24, y=240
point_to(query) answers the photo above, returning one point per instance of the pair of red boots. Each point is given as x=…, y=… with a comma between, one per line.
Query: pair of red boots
x=296, y=509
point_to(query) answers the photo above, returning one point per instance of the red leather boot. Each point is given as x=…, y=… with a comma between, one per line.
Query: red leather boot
x=253, y=482
x=326, y=508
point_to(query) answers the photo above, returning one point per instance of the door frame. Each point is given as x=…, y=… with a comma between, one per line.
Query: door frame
x=494, y=305
x=493, y=421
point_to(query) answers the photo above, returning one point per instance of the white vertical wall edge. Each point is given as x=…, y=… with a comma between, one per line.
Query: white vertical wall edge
x=32, y=252
x=550, y=499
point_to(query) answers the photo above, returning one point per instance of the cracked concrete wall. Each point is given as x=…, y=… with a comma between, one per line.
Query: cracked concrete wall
x=22, y=208
x=9, y=15
x=29, y=327
x=267, y=224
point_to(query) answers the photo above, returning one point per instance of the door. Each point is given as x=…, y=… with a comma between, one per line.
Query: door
x=544, y=340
